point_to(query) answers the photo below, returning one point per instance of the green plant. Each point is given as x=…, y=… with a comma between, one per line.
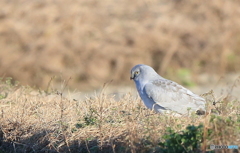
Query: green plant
x=91, y=118
x=2, y=96
x=188, y=140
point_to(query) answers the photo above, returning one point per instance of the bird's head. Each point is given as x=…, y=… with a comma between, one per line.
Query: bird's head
x=143, y=72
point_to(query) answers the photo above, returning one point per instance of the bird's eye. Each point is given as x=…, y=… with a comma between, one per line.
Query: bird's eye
x=137, y=72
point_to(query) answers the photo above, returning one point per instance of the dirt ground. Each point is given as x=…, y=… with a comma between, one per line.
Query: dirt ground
x=88, y=43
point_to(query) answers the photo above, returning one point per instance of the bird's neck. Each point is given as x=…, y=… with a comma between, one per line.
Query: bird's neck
x=140, y=85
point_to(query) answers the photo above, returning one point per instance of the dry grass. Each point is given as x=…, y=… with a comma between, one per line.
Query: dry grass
x=95, y=41
x=36, y=121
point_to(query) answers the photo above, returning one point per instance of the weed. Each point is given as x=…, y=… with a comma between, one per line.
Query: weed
x=188, y=140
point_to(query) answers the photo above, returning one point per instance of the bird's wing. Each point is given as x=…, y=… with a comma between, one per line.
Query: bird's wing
x=170, y=95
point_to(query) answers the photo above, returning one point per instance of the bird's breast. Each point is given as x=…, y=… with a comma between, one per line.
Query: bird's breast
x=140, y=86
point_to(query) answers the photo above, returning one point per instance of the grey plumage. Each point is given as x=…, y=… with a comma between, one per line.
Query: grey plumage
x=160, y=94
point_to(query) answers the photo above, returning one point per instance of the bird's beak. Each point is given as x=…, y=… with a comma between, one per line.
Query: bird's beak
x=132, y=76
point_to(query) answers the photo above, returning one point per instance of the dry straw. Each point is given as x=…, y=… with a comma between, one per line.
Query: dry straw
x=44, y=122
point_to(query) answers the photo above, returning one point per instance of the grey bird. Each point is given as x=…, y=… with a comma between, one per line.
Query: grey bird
x=161, y=95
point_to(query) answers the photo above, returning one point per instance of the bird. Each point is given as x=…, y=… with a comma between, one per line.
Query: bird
x=162, y=95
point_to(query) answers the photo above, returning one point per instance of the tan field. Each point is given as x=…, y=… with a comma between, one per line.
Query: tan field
x=36, y=121
x=94, y=42
x=59, y=49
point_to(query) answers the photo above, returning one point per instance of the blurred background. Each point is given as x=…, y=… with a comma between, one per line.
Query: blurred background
x=91, y=42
